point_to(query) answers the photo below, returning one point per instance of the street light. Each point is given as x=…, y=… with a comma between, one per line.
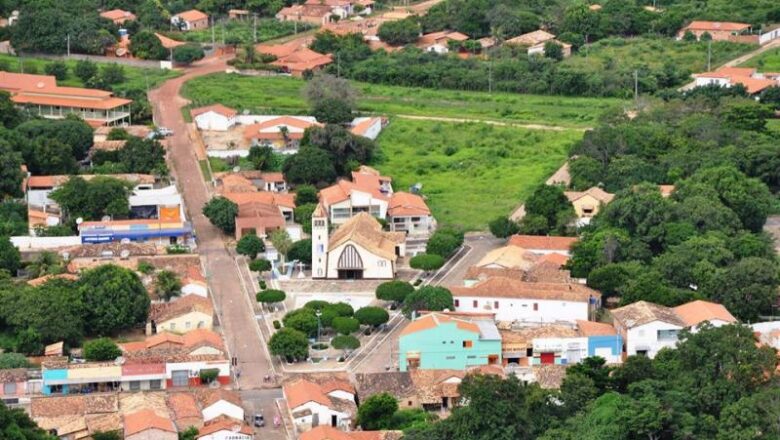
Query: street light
x=319, y=325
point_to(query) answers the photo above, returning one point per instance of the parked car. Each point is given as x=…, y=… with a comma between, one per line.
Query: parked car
x=259, y=421
x=162, y=131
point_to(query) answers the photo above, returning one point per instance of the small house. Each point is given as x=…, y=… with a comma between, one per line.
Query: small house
x=147, y=425
x=718, y=30
x=312, y=404
x=588, y=203
x=190, y=20
x=215, y=117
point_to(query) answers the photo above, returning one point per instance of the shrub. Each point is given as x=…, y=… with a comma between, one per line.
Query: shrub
x=277, y=324
x=145, y=267
x=262, y=284
x=372, y=316
x=395, y=290
x=345, y=342
x=503, y=227
x=250, y=245
x=444, y=242
x=57, y=69
x=345, y=325
x=175, y=249
x=426, y=262
x=102, y=349
x=271, y=296
x=188, y=53
x=260, y=265
x=290, y=344
x=208, y=375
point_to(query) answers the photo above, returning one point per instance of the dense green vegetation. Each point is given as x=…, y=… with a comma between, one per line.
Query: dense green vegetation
x=768, y=61
x=276, y=95
x=241, y=31
x=717, y=384
x=471, y=173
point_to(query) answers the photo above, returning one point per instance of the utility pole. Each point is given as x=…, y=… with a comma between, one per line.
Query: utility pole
x=254, y=27
x=213, y=31
x=636, y=86
x=709, y=55
x=68, y=44
x=338, y=65
x=490, y=76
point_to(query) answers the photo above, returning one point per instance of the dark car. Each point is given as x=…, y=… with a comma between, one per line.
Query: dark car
x=259, y=421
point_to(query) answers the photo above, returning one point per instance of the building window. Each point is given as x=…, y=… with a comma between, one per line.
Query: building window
x=9, y=388
x=135, y=385
x=495, y=304
x=173, y=326
x=180, y=378
x=187, y=325
x=409, y=403
x=474, y=304
x=155, y=384
x=536, y=307
x=468, y=344
x=201, y=324
x=450, y=358
x=471, y=357
x=667, y=335
x=457, y=303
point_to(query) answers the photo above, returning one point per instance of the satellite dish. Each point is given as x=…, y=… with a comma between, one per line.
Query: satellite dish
x=79, y=221
x=105, y=218
x=245, y=112
x=125, y=241
x=119, y=361
x=236, y=169
x=124, y=254
x=66, y=255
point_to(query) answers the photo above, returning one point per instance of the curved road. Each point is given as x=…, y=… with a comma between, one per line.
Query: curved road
x=234, y=307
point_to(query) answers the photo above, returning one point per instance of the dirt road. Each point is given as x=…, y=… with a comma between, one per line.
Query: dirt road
x=739, y=60
x=233, y=305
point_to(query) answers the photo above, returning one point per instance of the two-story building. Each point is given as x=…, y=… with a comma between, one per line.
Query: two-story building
x=439, y=341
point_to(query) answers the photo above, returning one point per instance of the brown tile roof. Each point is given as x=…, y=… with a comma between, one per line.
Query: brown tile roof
x=728, y=26
x=184, y=409
x=595, y=192
x=483, y=273
x=398, y=384
x=531, y=38
x=42, y=280
x=266, y=197
x=116, y=249
x=108, y=145
x=366, y=231
x=57, y=180
x=55, y=406
x=302, y=391
x=192, y=15
x=118, y=14
x=133, y=402
x=591, y=328
x=440, y=37
x=207, y=396
x=696, y=312
x=643, y=312
x=271, y=129
x=433, y=320
x=225, y=424
x=407, y=204
x=13, y=375
x=216, y=108
x=549, y=376
x=103, y=422
x=430, y=386
x=146, y=419
x=509, y=257
x=554, y=259
x=512, y=288
x=190, y=303
x=337, y=385
x=551, y=243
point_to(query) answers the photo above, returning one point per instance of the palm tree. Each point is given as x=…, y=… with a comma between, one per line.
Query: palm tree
x=167, y=285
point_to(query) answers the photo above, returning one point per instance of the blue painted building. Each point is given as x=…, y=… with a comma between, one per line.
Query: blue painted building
x=603, y=340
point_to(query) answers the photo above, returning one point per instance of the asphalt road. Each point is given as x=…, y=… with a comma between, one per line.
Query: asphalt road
x=230, y=295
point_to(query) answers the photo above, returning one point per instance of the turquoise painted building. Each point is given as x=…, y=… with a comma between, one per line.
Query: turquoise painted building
x=438, y=341
x=55, y=381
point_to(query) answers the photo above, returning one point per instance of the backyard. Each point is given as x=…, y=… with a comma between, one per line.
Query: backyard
x=768, y=61
x=283, y=95
x=136, y=78
x=242, y=31
x=470, y=173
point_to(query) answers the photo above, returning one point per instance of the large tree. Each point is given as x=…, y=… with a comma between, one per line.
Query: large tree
x=290, y=344
x=54, y=310
x=427, y=298
x=376, y=412
x=15, y=424
x=222, y=213
x=400, y=32
x=310, y=165
x=114, y=299
x=92, y=200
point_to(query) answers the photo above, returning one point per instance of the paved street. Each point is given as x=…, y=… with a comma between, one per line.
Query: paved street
x=233, y=305
x=265, y=402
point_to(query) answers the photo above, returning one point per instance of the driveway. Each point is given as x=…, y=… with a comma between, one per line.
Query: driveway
x=234, y=307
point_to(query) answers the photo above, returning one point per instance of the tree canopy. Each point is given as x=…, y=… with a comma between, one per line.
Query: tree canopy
x=114, y=299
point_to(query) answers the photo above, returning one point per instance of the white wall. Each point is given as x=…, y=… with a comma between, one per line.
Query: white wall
x=225, y=435
x=519, y=309
x=40, y=197
x=343, y=395
x=212, y=120
x=706, y=81
x=26, y=243
x=769, y=36
x=194, y=289
x=224, y=154
x=196, y=366
x=221, y=408
x=374, y=266
x=646, y=337
x=322, y=411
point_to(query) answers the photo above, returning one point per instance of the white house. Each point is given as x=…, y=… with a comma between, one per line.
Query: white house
x=219, y=402
x=753, y=81
x=646, y=328
x=215, y=117
x=225, y=430
x=329, y=404
x=369, y=127
x=190, y=20
x=515, y=300
x=694, y=313
x=358, y=249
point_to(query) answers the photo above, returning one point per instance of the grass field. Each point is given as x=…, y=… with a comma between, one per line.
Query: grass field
x=137, y=78
x=768, y=61
x=241, y=30
x=654, y=53
x=471, y=173
x=279, y=95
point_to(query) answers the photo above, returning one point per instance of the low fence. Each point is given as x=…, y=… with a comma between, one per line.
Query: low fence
x=28, y=243
x=225, y=154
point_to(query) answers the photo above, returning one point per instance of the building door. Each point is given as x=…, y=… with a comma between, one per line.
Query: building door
x=180, y=378
x=350, y=265
x=315, y=420
x=334, y=420
x=548, y=358
x=492, y=359
x=574, y=356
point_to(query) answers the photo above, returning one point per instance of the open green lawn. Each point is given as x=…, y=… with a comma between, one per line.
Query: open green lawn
x=471, y=172
x=654, y=53
x=279, y=95
x=241, y=30
x=768, y=61
x=137, y=78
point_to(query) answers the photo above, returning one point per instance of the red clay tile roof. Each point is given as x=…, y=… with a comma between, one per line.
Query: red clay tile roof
x=192, y=15
x=363, y=126
x=225, y=424
x=595, y=192
x=118, y=14
x=513, y=288
x=168, y=43
x=643, y=312
x=216, y=108
x=716, y=26
x=551, y=243
x=303, y=391
x=179, y=307
x=434, y=320
x=335, y=384
x=184, y=406
x=207, y=397
x=266, y=197
x=591, y=328
x=553, y=258
x=146, y=419
x=407, y=204
x=696, y=312
x=271, y=129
